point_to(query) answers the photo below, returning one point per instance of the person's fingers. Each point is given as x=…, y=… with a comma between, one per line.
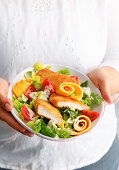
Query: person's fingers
x=4, y=87
x=8, y=83
x=5, y=102
x=102, y=83
x=105, y=89
x=87, y=74
x=9, y=119
x=105, y=103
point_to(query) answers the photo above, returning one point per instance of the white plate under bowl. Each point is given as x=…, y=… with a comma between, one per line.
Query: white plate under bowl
x=81, y=77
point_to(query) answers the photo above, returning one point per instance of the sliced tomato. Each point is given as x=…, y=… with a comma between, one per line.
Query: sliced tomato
x=27, y=113
x=48, y=84
x=91, y=114
x=76, y=77
x=29, y=91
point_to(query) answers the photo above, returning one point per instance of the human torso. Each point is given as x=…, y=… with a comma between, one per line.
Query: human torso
x=64, y=32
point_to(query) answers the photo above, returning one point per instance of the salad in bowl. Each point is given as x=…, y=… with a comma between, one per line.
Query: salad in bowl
x=55, y=103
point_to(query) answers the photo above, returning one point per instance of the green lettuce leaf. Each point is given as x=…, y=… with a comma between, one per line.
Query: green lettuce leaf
x=13, y=98
x=91, y=101
x=65, y=117
x=46, y=131
x=32, y=103
x=84, y=84
x=49, y=67
x=69, y=124
x=70, y=113
x=37, y=126
x=21, y=116
x=29, y=74
x=23, y=98
x=52, y=126
x=37, y=66
x=17, y=105
x=36, y=82
x=64, y=133
x=31, y=124
x=64, y=71
x=96, y=98
x=43, y=95
x=25, y=76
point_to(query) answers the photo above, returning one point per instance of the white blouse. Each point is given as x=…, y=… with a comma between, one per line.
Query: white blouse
x=68, y=32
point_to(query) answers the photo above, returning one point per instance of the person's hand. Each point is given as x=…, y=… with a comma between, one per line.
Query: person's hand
x=6, y=106
x=106, y=79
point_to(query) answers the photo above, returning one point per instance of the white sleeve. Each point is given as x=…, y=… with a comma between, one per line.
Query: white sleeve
x=112, y=53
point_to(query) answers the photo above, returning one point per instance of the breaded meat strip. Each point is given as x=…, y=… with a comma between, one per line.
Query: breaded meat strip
x=45, y=109
x=56, y=78
x=62, y=101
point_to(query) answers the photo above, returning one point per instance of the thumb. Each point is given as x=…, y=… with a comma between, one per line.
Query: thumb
x=5, y=103
x=105, y=89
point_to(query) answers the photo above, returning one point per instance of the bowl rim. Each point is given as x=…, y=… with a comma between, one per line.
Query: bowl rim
x=39, y=134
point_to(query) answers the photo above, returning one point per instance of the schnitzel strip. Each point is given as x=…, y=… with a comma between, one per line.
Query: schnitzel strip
x=62, y=101
x=56, y=78
x=45, y=109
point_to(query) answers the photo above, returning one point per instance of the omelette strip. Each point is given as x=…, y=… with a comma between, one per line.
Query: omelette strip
x=45, y=109
x=82, y=124
x=56, y=78
x=63, y=101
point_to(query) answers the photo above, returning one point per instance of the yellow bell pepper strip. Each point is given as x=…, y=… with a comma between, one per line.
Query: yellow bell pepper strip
x=16, y=89
x=20, y=88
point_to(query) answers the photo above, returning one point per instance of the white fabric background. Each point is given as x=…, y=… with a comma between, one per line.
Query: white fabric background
x=113, y=38
x=113, y=47
x=59, y=32
x=21, y=51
